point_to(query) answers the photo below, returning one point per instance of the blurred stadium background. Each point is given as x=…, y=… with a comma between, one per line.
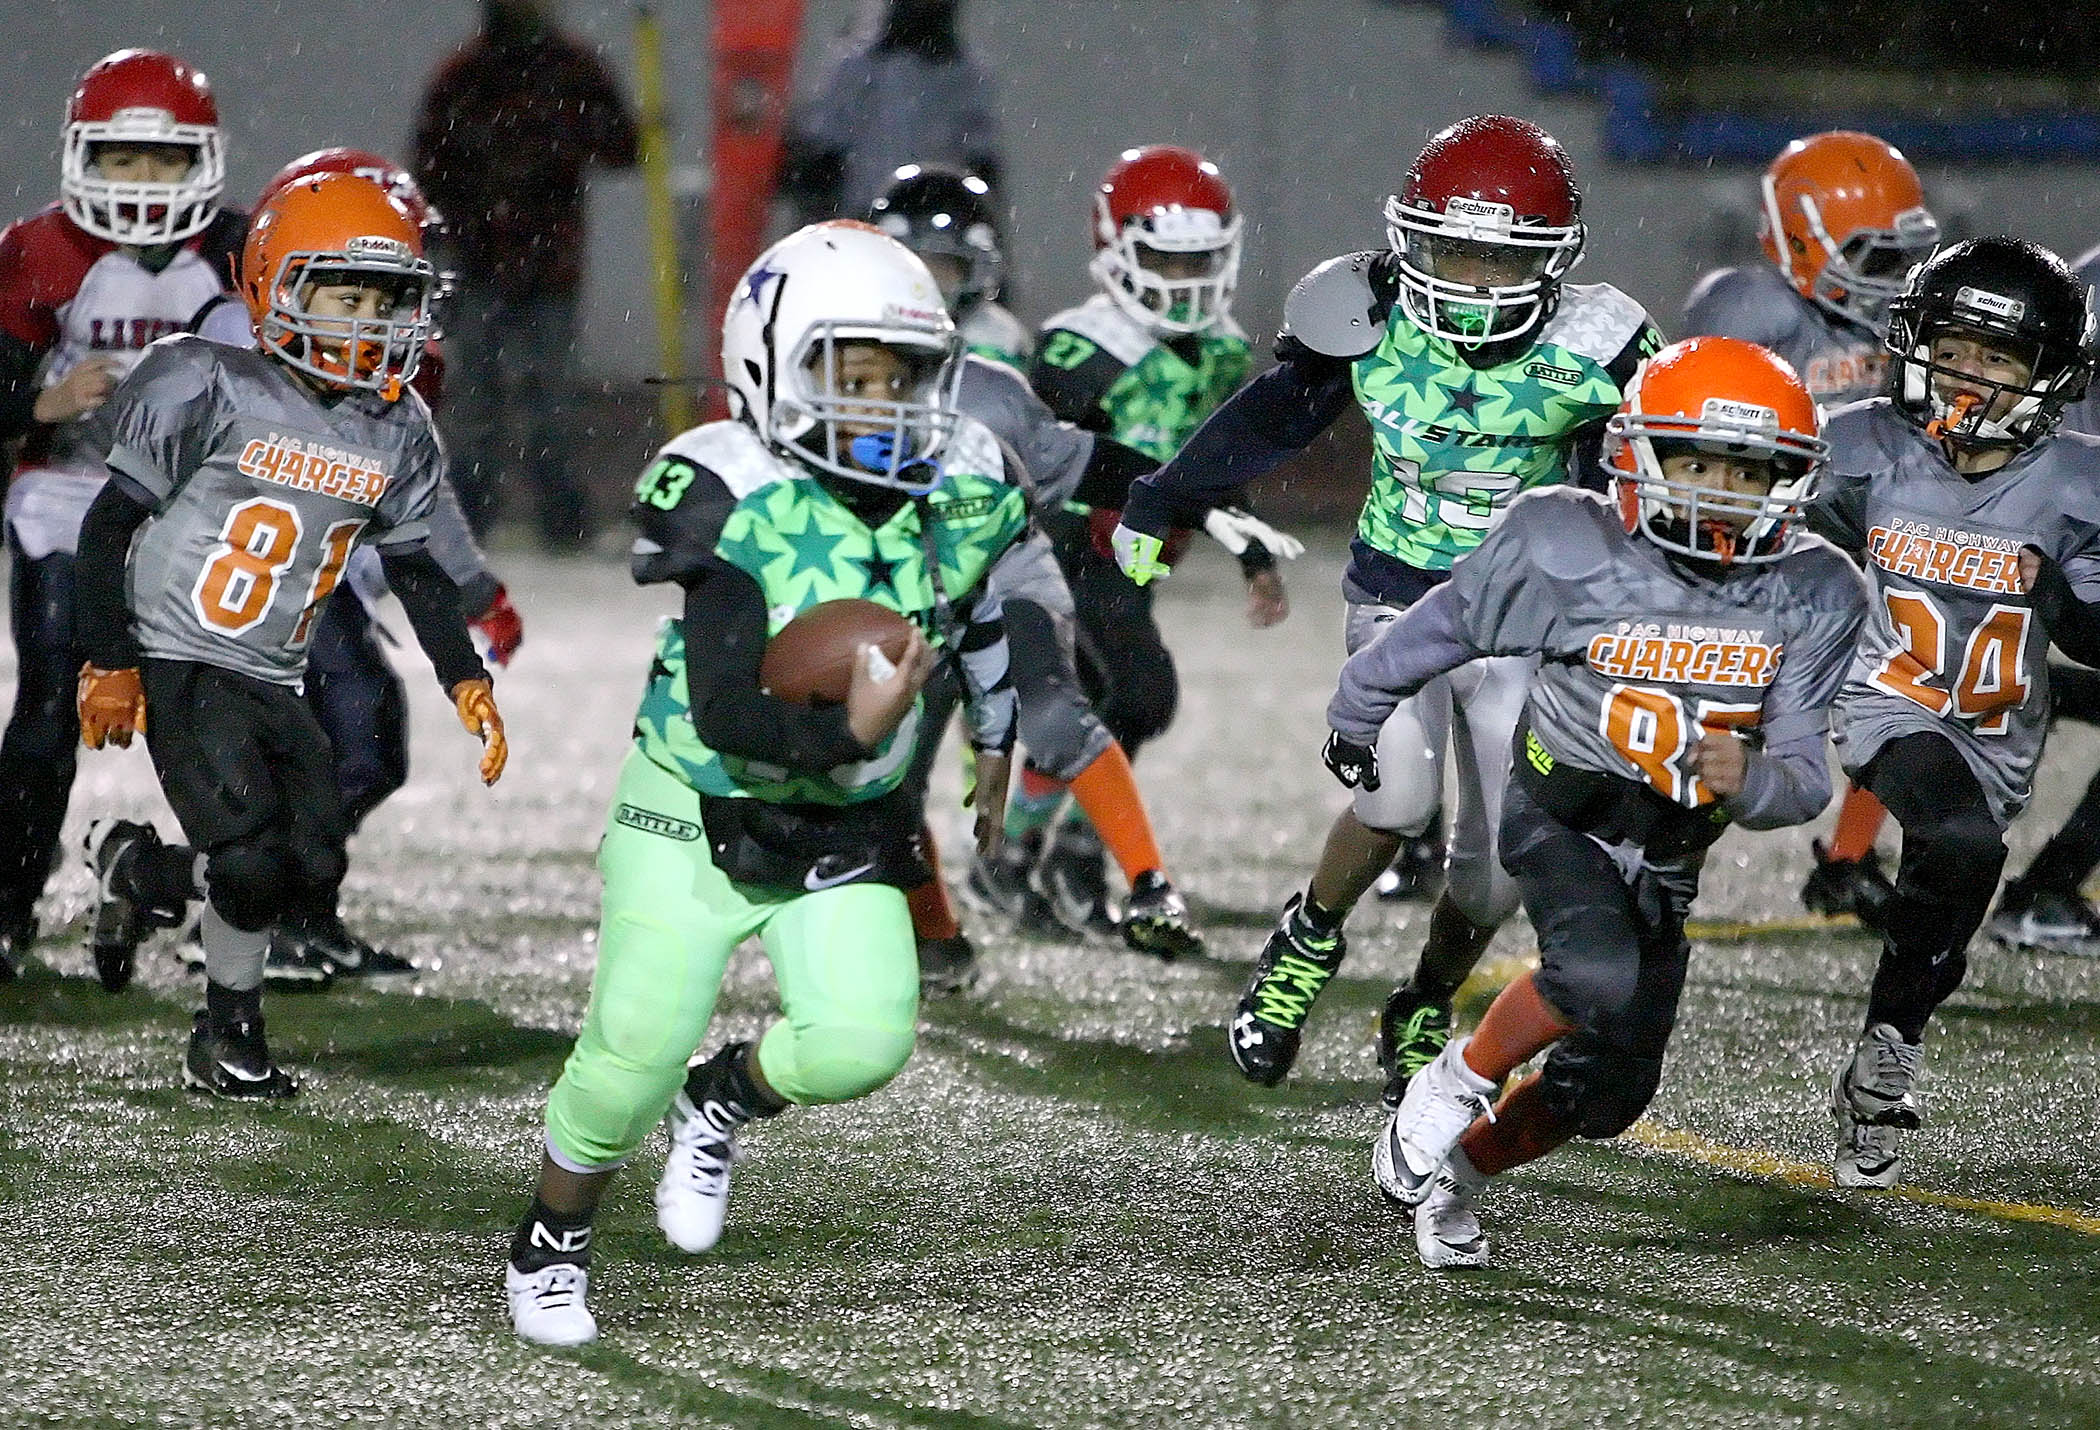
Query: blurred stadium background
x=1312, y=108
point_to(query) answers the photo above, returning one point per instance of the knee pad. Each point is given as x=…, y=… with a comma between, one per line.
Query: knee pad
x=838, y=1062
x=1061, y=731
x=1596, y=1088
x=247, y=881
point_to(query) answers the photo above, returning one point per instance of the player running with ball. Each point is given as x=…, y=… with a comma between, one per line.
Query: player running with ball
x=1691, y=640
x=846, y=473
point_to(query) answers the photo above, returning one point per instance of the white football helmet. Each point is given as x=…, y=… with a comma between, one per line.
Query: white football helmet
x=807, y=296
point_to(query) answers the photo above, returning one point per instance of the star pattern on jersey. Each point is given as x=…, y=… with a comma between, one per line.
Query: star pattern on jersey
x=741, y=546
x=881, y=571
x=812, y=549
x=1464, y=398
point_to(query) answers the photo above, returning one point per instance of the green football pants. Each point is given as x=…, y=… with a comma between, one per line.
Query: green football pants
x=844, y=959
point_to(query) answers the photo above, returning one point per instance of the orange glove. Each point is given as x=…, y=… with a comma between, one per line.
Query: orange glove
x=475, y=701
x=112, y=706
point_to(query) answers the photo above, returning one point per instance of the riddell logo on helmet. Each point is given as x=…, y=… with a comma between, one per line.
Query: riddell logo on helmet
x=1739, y=414
x=899, y=312
x=1996, y=305
x=373, y=245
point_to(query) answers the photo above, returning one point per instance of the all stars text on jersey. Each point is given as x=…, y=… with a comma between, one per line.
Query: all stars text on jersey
x=314, y=467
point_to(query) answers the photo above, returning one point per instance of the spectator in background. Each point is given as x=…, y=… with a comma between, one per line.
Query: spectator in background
x=908, y=95
x=509, y=126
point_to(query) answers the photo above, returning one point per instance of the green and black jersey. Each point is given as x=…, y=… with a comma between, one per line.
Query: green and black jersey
x=1098, y=369
x=756, y=540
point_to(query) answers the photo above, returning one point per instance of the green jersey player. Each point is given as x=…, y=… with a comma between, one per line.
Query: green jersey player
x=1478, y=372
x=846, y=473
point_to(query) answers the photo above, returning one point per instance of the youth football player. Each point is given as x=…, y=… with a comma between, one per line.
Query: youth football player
x=1842, y=222
x=1691, y=641
x=1479, y=371
x=240, y=482
x=137, y=244
x=1974, y=518
x=846, y=472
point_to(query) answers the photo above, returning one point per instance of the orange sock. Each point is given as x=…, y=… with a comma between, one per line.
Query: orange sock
x=932, y=916
x=1859, y=820
x=1525, y=1129
x=1108, y=792
x=1518, y=1024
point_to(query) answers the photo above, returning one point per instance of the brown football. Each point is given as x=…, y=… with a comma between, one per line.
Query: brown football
x=811, y=657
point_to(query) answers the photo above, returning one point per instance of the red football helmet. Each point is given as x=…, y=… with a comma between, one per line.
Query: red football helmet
x=1166, y=239
x=141, y=97
x=1488, y=223
x=390, y=176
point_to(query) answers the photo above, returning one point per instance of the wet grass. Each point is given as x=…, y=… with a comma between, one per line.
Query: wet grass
x=1068, y=1211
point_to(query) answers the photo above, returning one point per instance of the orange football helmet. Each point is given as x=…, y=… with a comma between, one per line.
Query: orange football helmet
x=1727, y=398
x=1845, y=220
x=332, y=229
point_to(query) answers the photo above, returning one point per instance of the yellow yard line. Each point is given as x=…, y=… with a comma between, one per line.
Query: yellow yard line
x=1724, y=929
x=1754, y=1162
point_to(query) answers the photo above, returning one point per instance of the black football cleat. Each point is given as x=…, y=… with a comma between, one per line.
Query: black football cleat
x=947, y=965
x=1416, y=874
x=120, y=922
x=1268, y=1022
x=1848, y=886
x=1412, y=1031
x=327, y=941
x=233, y=1061
x=1156, y=919
x=1073, y=880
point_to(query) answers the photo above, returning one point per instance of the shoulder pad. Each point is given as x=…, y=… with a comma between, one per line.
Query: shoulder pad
x=976, y=450
x=1595, y=320
x=1335, y=310
x=1816, y=563
x=1108, y=328
x=177, y=367
x=1564, y=530
x=732, y=451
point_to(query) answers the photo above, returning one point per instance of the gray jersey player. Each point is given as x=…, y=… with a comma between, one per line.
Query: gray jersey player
x=1690, y=640
x=1843, y=219
x=240, y=482
x=1977, y=524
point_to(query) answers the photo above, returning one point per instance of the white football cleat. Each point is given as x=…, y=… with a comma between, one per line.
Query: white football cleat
x=547, y=1305
x=1447, y=1227
x=692, y=1196
x=1441, y=1102
x=1868, y=1154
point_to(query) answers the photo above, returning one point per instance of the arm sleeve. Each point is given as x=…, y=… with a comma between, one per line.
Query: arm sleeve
x=1268, y=421
x=993, y=706
x=431, y=603
x=1424, y=643
x=2073, y=623
x=1110, y=469
x=1788, y=780
x=1839, y=513
x=103, y=619
x=725, y=639
x=18, y=386
x=453, y=547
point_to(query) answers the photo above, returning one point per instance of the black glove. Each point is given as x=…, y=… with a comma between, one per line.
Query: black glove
x=1354, y=765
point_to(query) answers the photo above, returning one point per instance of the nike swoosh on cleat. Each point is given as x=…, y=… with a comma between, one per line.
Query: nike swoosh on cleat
x=230, y=1070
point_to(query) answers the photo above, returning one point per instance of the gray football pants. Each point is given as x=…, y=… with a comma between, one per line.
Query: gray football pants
x=1474, y=712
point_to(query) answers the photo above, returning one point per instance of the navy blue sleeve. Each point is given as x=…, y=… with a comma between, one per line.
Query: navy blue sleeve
x=1263, y=425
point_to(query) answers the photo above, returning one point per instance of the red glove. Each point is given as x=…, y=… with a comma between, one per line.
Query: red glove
x=501, y=627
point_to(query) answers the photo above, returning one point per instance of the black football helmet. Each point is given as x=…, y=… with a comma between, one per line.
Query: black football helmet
x=942, y=210
x=1999, y=288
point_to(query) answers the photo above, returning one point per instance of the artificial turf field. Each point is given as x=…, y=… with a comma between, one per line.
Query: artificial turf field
x=1069, y=1210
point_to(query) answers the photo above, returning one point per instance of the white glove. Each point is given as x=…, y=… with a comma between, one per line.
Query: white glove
x=1234, y=530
